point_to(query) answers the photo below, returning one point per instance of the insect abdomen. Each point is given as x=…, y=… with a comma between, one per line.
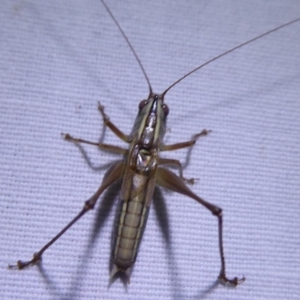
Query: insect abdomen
x=129, y=227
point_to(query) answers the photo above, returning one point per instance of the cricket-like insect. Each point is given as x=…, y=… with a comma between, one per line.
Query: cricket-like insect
x=142, y=169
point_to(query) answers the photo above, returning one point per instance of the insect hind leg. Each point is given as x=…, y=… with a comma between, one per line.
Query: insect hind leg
x=169, y=180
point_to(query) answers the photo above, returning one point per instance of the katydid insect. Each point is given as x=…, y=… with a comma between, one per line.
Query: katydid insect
x=141, y=170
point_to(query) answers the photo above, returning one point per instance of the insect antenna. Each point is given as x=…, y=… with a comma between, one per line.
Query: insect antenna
x=129, y=44
x=228, y=51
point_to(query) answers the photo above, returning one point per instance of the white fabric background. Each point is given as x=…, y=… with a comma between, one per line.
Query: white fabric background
x=58, y=58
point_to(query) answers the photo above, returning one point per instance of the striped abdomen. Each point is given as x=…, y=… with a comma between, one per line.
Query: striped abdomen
x=130, y=223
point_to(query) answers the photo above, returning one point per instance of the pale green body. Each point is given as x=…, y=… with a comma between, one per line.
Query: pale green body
x=138, y=183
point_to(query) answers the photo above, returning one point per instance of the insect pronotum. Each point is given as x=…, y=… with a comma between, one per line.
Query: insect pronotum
x=142, y=169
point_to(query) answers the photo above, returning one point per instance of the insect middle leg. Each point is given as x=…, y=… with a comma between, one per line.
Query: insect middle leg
x=177, y=163
x=190, y=143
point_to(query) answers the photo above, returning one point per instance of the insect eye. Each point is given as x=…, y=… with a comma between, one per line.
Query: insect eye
x=165, y=109
x=142, y=104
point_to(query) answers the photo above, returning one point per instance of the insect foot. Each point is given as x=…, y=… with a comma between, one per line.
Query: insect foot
x=235, y=281
x=37, y=257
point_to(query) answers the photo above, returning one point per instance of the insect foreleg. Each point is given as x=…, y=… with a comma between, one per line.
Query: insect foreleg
x=114, y=173
x=169, y=180
x=185, y=144
x=102, y=146
x=177, y=163
x=113, y=127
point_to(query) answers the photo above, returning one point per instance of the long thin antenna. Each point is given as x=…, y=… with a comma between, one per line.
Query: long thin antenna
x=231, y=50
x=129, y=44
